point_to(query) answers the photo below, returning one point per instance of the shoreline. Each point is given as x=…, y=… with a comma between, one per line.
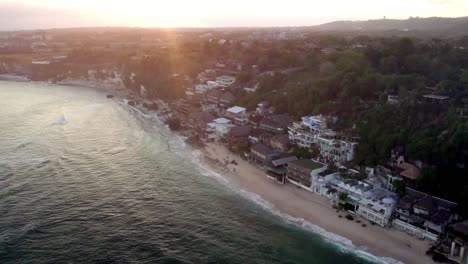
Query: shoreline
x=304, y=208
x=307, y=210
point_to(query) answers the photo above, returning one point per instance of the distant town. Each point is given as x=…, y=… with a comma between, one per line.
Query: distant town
x=375, y=124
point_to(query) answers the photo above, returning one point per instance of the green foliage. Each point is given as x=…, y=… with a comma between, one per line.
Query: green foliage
x=343, y=197
x=399, y=186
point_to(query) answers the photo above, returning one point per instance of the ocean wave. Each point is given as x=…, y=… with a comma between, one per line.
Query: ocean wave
x=345, y=244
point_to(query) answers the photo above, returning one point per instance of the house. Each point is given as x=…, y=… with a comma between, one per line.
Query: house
x=219, y=127
x=459, y=238
x=280, y=142
x=238, y=114
x=227, y=99
x=352, y=189
x=409, y=171
x=200, y=120
x=254, y=120
x=259, y=136
x=300, y=172
x=393, y=99
x=275, y=123
x=239, y=135
x=261, y=154
x=277, y=169
x=213, y=96
x=423, y=215
x=225, y=80
x=40, y=47
x=321, y=181
x=377, y=206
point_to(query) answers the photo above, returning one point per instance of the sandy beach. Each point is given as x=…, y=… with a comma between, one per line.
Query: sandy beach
x=299, y=203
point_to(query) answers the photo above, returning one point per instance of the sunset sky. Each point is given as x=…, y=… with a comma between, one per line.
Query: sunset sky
x=31, y=14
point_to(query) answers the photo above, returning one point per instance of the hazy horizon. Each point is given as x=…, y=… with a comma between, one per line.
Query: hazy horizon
x=32, y=14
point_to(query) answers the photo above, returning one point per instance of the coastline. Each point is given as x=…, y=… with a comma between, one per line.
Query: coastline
x=298, y=206
x=305, y=208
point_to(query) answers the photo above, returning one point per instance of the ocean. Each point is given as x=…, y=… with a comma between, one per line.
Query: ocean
x=85, y=179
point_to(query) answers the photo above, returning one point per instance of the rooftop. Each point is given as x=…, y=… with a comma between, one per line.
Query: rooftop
x=260, y=148
x=436, y=97
x=222, y=120
x=283, y=161
x=308, y=164
x=236, y=109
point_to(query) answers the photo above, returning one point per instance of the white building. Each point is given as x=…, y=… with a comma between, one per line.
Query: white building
x=353, y=188
x=335, y=150
x=225, y=80
x=305, y=132
x=219, y=127
x=238, y=114
x=377, y=206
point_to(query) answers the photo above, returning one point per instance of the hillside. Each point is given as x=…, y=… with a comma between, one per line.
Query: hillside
x=447, y=27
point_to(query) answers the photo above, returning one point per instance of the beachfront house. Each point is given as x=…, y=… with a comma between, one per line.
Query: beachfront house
x=200, y=120
x=423, y=215
x=277, y=169
x=275, y=123
x=300, y=172
x=261, y=154
x=459, y=242
x=280, y=142
x=377, y=205
x=349, y=193
x=238, y=115
x=218, y=128
x=259, y=136
x=321, y=181
x=239, y=136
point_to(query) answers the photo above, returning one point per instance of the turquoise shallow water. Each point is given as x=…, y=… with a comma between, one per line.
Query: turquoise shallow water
x=84, y=179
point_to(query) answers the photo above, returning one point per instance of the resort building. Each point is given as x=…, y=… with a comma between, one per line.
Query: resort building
x=277, y=169
x=312, y=130
x=423, y=215
x=261, y=154
x=300, y=172
x=238, y=114
x=335, y=150
x=305, y=132
x=377, y=206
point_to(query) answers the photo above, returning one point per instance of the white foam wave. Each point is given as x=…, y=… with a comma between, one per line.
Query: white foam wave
x=345, y=244
x=115, y=150
x=61, y=122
